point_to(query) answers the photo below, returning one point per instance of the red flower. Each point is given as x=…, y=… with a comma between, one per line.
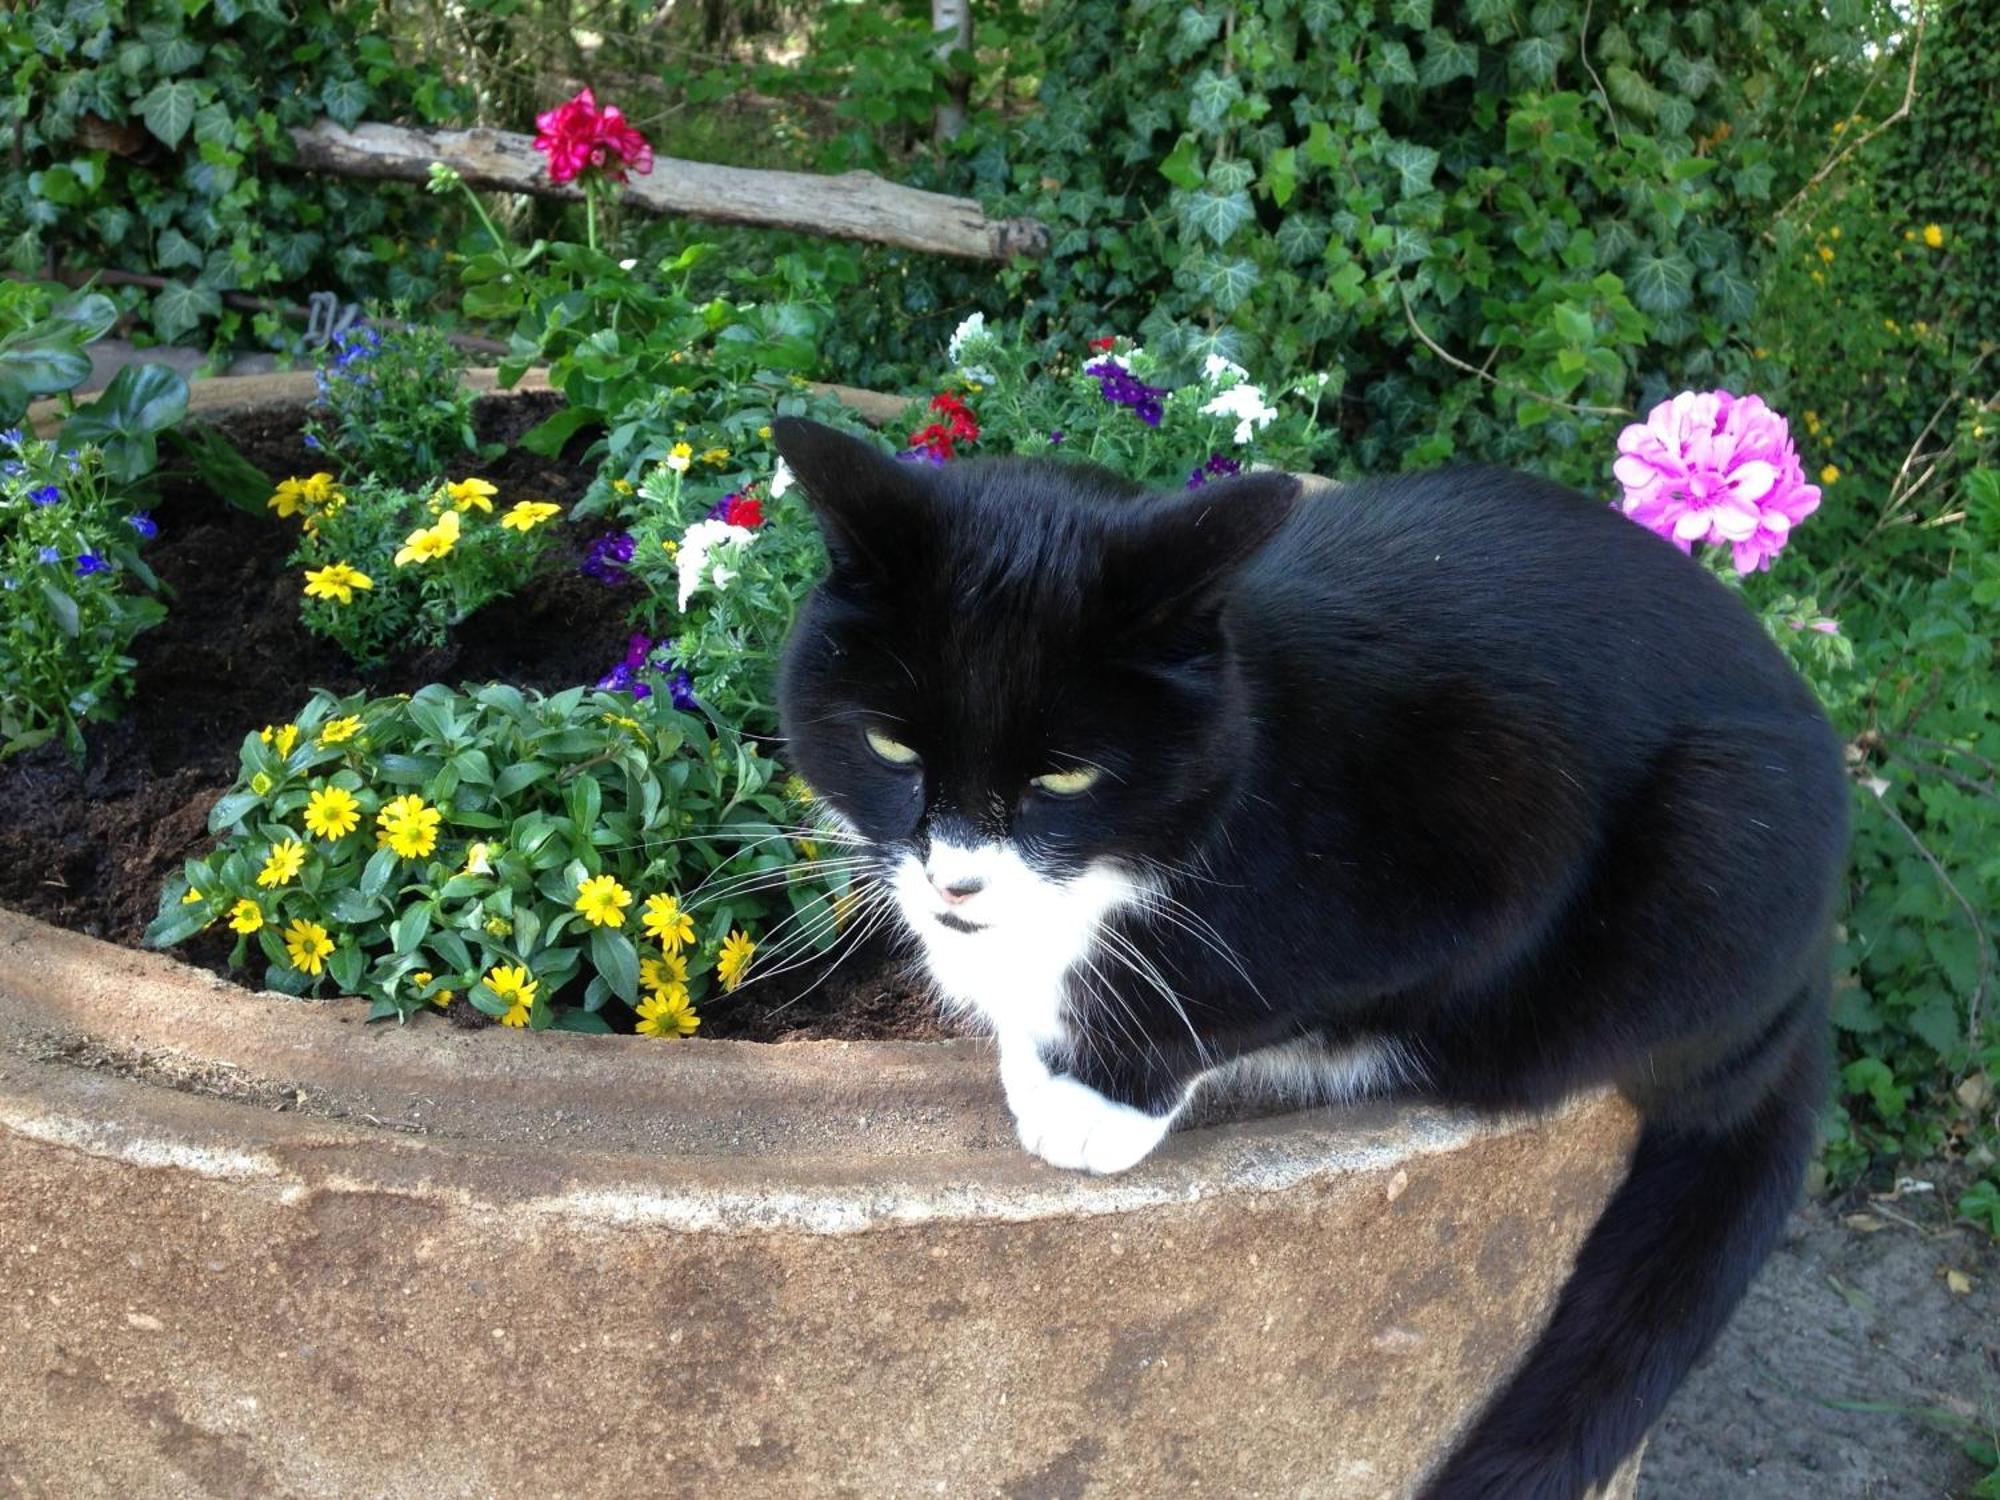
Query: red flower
x=936, y=437
x=577, y=136
x=1102, y=346
x=746, y=511
x=960, y=425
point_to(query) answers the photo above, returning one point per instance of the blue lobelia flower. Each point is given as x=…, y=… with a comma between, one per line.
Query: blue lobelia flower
x=144, y=524
x=90, y=563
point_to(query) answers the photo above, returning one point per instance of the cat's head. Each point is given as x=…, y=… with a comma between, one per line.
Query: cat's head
x=1017, y=681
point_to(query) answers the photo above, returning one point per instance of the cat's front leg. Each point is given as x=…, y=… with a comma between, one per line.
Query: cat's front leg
x=1068, y=1123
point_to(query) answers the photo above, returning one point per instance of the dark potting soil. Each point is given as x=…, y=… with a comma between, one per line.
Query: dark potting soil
x=89, y=849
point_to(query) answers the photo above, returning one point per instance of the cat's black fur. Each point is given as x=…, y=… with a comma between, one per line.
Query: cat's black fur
x=1461, y=761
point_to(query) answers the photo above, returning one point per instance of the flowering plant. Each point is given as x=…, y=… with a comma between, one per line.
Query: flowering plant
x=74, y=592
x=391, y=404
x=384, y=566
x=576, y=860
x=1113, y=402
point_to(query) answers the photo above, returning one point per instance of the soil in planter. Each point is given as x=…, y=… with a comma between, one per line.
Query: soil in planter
x=88, y=849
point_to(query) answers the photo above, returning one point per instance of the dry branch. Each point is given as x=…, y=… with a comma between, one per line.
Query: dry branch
x=852, y=205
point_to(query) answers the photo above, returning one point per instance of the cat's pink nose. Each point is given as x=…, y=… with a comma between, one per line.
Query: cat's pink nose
x=958, y=892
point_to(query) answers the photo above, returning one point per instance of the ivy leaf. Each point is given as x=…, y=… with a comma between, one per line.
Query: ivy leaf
x=1414, y=164
x=1535, y=59
x=1230, y=283
x=1393, y=65
x=179, y=308
x=173, y=249
x=1662, y=283
x=1217, y=215
x=1281, y=175
x=1182, y=165
x=1301, y=238
x=1346, y=284
x=345, y=99
x=1211, y=99
x=168, y=109
x=1446, y=57
x=1415, y=14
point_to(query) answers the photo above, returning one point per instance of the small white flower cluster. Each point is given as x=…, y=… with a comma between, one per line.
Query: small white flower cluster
x=707, y=549
x=965, y=341
x=1239, y=399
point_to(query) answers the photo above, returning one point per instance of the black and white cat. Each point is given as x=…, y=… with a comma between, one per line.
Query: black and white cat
x=1457, y=786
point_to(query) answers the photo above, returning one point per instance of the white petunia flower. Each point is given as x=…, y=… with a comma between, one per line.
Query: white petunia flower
x=697, y=545
x=1215, y=366
x=971, y=331
x=782, y=479
x=1245, y=403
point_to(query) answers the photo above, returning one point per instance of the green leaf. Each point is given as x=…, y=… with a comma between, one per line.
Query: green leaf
x=1734, y=294
x=1662, y=283
x=345, y=99
x=351, y=908
x=410, y=928
x=231, y=810
x=140, y=402
x=551, y=435
x=521, y=774
x=62, y=609
x=1218, y=215
x=1446, y=57
x=1415, y=14
x=569, y=1018
x=179, y=308
x=617, y=960
x=376, y=874
x=1182, y=166
x=1535, y=59
x=169, y=109
x=347, y=965
x=1413, y=164
x=1211, y=98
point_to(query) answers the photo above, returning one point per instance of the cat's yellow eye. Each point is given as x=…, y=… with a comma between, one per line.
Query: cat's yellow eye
x=895, y=752
x=1067, y=783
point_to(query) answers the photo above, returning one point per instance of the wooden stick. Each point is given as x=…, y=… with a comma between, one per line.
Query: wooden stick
x=853, y=205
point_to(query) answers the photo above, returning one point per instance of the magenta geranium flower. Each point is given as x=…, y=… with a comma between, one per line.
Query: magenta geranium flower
x=577, y=136
x=1709, y=466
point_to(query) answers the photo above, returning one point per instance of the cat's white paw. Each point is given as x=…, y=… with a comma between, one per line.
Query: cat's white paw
x=1070, y=1124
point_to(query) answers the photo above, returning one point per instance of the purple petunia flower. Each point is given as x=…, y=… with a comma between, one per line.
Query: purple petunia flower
x=608, y=556
x=144, y=524
x=1055, y=438
x=1121, y=387
x=90, y=562
x=1218, y=466
x=48, y=494
x=620, y=680
x=681, y=687
x=929, y=456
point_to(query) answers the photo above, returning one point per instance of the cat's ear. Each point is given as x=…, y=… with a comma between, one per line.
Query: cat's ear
x=864, y=499
x=1187, y=548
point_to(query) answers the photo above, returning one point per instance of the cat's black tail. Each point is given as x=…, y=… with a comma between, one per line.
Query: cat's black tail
x=1658, y=1276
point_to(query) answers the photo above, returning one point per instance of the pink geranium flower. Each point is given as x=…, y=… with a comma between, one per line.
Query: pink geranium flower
x=577, y=136
x=1717, y=468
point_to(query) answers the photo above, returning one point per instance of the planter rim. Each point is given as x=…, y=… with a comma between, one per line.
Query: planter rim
x=138, y=1057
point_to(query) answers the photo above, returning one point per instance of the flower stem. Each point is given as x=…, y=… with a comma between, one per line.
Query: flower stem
x=590, y=214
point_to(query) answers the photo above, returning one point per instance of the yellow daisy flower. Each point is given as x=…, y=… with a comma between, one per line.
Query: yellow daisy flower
x=1830, y=474
x=469, y=493
x=1934, y=236
x=192, y=897
x=307, y=945
x=289, y=499
x=665, y=974
x=246, y=916
x=602, y=900
x=526, y=515
x=478, y=859
x=517, y=988
x=408, y=827
x=622, y=486
x=428, y=543
x=282, y=740
x=336, y=581
x=422, y=977
x=716, y=457
x=666, y=923
x=332, y=812
x=667, y=1015
x=282, y=865
x=339, y=731
x=679, y=457
x=734, y=959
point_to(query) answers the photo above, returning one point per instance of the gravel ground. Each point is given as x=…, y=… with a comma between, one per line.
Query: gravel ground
x=1852, y=1309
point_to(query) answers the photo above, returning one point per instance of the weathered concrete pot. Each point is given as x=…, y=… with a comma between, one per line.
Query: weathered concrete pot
x=254, y=1246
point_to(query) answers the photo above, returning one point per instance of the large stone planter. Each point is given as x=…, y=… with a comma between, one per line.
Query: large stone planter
x=255, y=1247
